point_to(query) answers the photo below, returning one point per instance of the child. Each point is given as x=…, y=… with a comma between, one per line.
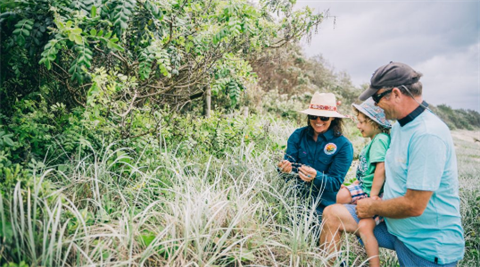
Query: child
x=370, y=171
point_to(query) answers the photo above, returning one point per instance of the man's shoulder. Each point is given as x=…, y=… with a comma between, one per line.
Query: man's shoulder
x=431, y=124
x=428, y=132
x=426, y=124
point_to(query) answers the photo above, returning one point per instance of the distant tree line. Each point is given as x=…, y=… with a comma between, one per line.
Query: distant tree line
x=458, y=118
x=289, y=72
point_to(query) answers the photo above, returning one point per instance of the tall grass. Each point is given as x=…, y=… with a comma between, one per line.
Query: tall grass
x=468, y=153
x=113, y=209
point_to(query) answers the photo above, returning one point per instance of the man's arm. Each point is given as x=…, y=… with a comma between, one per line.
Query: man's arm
x=412, y=204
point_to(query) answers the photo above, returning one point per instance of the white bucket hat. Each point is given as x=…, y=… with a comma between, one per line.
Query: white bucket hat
x=323, y=104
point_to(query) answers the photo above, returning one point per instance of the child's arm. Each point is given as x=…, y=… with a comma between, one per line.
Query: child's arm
x=378, y=179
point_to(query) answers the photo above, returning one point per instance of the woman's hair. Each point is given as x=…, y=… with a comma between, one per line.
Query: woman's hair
x=336, y=125
x=372, y=122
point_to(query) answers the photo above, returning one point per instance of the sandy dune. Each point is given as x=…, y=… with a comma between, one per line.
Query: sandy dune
x=469, y=136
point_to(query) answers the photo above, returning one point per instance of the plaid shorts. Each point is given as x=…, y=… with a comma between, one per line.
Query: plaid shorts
x=357, y=193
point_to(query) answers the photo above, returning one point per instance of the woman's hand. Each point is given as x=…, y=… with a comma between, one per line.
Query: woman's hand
x=285, y=166
x=306, y=173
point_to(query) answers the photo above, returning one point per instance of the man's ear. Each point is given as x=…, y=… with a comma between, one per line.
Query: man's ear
x=396, y=92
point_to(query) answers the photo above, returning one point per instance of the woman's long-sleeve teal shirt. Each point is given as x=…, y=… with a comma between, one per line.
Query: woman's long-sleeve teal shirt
x=330, y=155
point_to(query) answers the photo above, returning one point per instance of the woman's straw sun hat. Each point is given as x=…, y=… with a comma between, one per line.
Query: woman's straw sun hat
x=323, y=104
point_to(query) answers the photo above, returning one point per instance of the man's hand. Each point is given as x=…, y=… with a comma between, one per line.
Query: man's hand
x=365, y=208
x=285, y=166
x=306, y=173
x=412, y=204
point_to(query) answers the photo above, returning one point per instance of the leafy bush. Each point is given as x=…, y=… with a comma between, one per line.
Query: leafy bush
x=458, y=118
x=128, y=54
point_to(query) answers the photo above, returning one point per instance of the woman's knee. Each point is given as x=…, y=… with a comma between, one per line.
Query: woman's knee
x=337, y=216
x=331, y=211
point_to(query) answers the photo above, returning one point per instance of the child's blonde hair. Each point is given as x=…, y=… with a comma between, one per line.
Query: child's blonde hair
x=372, y=122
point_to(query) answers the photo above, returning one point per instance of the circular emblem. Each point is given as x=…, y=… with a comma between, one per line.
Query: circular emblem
x=330, y=148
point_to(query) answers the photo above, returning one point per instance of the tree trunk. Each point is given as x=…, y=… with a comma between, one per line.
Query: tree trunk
x=208, y=102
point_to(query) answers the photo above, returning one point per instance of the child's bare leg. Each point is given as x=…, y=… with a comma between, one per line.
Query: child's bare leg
x=365, y=229
x=343, y=196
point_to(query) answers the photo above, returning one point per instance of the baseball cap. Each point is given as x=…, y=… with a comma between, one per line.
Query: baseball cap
x=392, y=74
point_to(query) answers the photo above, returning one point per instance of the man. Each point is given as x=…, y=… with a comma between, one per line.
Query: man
x=420, y=202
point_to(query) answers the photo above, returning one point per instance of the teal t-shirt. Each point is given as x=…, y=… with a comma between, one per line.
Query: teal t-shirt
x=373, y=152
x=422, y=157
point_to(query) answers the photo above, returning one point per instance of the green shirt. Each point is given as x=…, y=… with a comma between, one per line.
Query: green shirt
x=374, y=152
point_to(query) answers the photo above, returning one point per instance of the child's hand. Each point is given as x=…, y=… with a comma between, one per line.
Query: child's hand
x=356, y=182
x=375, y=198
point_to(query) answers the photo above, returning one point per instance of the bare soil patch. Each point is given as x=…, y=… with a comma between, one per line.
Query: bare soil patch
x=468, y=136
x=467, y=145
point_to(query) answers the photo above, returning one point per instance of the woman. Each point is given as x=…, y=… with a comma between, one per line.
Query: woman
x=319, y=152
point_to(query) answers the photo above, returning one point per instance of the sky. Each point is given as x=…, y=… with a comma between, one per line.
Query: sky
x=440, y=39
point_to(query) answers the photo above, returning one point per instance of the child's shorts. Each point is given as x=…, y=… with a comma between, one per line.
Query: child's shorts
x=357, y=193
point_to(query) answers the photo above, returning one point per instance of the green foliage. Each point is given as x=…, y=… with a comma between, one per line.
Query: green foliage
x=198, y=189
x=175, y=48
x=22, y=31
x=229, y=78
x=95, y=136
x=294, y=78
x=458, y=118
x=217, y=135
x=11, y=264
x=12, y=175
x=161, y=57
x=471, y=199
x=7, y=145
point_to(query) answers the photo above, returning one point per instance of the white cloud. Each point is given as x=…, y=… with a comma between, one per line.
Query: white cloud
x=452, y=79
x=439, y=38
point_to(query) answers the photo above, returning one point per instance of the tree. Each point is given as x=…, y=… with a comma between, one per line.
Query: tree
x=121, y=61
x=124, y=54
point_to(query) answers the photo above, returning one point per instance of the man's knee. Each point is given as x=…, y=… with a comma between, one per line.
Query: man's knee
x=331, y=214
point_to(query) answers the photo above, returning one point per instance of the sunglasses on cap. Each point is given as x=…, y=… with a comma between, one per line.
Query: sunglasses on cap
x=377, y=97
x=313, y=118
